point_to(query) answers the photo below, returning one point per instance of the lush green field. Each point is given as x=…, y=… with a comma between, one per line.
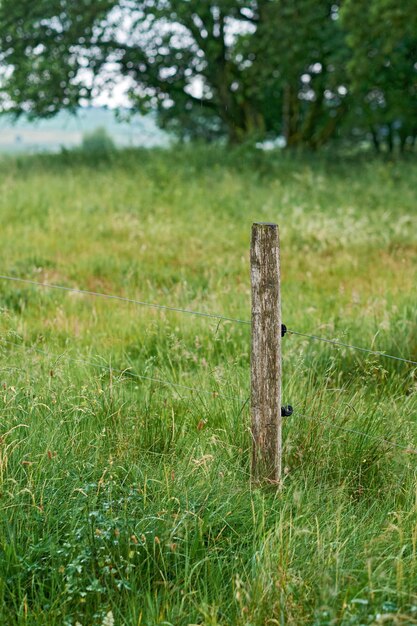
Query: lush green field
x=127, y=501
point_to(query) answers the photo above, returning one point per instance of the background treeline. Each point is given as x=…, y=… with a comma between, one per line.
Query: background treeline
x=311, y=71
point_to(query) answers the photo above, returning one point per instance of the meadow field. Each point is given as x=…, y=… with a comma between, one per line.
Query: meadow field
x=125, y=493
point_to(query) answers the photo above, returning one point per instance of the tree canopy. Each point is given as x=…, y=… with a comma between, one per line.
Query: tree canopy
x=382, y=36
x=309, y=71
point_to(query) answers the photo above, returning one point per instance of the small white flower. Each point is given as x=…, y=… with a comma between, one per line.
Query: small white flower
x=108, y=620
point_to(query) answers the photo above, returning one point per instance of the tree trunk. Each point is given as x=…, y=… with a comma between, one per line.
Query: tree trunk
x=403, y=134
x=375, y=139
x=390, y=138
x=290, y=116
x=243, y=122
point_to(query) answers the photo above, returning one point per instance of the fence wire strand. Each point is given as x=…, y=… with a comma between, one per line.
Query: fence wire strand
x=393, y=444
x=352, y=347
x=109, y=296
x=220, y=318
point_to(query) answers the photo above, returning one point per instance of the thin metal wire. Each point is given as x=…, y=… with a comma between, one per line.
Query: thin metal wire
x=347, y=345
x=409, y=450
x=123, y=299
x=201, y=314
x=160, y=381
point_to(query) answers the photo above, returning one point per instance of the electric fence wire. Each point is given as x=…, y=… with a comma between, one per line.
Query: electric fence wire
x=352, y=347
x=393, y=444
x=127, y=372
x=123, y=299
x=220, y=318
x=214, y=394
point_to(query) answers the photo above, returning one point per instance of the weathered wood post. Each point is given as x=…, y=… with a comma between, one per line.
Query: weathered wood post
x=266, y=353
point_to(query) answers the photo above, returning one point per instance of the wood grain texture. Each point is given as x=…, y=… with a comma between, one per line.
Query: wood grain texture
x=266, y=353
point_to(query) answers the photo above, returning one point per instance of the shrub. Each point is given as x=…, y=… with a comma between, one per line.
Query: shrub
x=98, y=142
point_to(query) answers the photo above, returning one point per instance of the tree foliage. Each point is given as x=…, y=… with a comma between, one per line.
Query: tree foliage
x=46, y=45
x=307, y=52
x=382, y=35
x=242, y=69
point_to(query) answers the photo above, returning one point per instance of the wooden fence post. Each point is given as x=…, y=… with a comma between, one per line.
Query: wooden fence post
x=266, y=353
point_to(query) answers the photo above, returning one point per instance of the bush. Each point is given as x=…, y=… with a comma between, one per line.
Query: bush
x=98, y=142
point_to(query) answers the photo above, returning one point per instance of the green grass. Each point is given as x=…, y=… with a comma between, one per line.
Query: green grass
x=126, y=499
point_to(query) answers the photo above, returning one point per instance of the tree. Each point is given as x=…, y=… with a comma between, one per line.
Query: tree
x=45, y=47
x=236, y=68
x=179, y=55
x=308, y=51
x=383, y=69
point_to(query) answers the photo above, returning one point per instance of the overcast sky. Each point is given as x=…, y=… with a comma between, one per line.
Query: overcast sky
x=117, y=97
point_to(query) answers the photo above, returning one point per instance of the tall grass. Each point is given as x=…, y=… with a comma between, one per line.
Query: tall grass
x=128, y=501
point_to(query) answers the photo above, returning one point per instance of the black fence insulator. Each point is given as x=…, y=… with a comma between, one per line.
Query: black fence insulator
x=286, y=410
x=283, y=330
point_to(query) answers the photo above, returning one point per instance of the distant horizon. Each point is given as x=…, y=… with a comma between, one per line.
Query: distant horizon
x=83, y=106
x=67, y=128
